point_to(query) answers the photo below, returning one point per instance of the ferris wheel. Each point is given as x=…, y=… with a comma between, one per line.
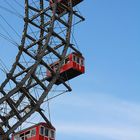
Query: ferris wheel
x=47, y=58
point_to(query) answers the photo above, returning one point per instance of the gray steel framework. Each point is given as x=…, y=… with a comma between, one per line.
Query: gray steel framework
x=51, y=41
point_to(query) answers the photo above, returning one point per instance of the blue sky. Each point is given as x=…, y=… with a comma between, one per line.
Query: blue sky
x=105, y=102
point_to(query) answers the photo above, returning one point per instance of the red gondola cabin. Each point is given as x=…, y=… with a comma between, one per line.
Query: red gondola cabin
x=72, y=67
x=64, y=3
x=39, y=131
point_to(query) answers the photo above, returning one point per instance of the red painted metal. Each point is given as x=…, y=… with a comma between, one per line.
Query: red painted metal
x=34, y=133
x=63, y=4
x=72, y=67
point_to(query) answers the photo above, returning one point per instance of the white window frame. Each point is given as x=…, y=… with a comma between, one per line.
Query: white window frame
x=45, y=132
x=28, y=135
x=78, y=59
x=50, y=134
x=82, y=63
x=74, y=58
x=31, y=132
x=40, y=130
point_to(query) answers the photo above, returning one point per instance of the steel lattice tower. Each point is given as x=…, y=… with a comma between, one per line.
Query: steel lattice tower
x=24, y=77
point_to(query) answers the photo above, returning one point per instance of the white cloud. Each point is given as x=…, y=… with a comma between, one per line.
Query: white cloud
x=113, y=132
x=101, y=103
x=123, y=118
